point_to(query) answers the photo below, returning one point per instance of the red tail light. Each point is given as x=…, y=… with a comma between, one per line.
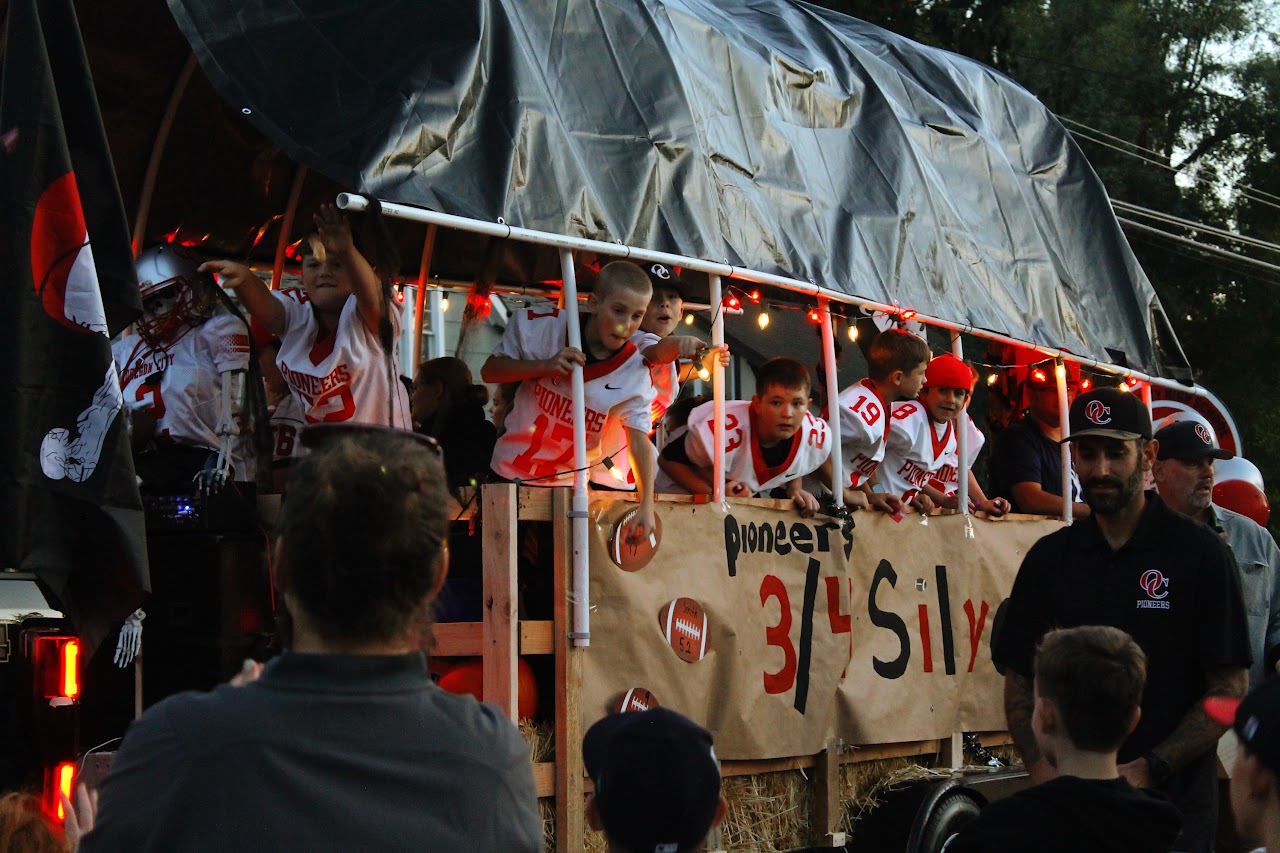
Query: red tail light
x=59, y=779
x=57, y=666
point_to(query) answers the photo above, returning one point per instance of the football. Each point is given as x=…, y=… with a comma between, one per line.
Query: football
x=635, y=699
x=633, y=556
x=684, y=624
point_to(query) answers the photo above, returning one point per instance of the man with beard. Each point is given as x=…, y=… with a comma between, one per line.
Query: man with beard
x=1167, y=581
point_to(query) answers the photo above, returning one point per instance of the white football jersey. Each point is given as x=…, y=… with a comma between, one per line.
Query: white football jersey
x=345, y=376
x=538, y=443
x=949, y=473
x=666, y=387
x=864, y=423
x=179, y=384
x=286, y=420
x=743, y=461
x=915, y=451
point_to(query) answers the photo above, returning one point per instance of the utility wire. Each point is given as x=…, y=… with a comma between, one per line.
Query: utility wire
x=1203, y=247
x=1169, y=218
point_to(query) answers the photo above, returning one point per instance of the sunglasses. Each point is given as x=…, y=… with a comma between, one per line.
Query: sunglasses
x=315, y=436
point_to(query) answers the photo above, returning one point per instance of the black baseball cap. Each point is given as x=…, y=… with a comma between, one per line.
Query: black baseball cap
x=657, y=780
x=1255, y=718
x=1189, y=441
x=663, y=276
x=1109, y=413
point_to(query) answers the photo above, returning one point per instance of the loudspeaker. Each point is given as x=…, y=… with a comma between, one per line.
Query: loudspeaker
x=210, y=608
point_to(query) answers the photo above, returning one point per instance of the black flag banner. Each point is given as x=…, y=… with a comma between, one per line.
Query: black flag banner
x=72, y=513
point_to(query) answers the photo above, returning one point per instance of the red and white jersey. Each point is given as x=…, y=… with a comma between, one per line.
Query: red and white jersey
x=666, y=387
x=345, y=376
x=538, y=442
x=916, y=450
x=949, y=473
x=743, y=460
x=180, y=385
x=286, y=420
x=864, y=423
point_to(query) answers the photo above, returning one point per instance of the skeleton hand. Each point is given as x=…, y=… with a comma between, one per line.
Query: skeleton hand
x=130, y=641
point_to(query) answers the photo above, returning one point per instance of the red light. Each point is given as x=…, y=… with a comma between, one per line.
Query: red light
x=399, y=296
x=1038, y=375
x=733, y=302
x=907, y=316
x=754, y=296
x=1086, y=384
x=56, y=660
x=60, y=779
x=478, y=306
x=815, y=316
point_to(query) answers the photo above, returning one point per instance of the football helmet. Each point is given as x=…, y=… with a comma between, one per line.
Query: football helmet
x=166, y=269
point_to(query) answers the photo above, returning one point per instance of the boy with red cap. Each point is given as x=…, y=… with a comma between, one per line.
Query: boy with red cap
x=1255, y=777
x=922, y=453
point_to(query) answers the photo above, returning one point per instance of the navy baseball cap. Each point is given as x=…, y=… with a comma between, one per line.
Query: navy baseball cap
x=1188, y=441
x=1255, y=719
x=663, y=276
x=657, y=780
x=1109, y=413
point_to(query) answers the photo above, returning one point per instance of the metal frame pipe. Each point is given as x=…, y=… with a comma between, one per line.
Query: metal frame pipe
x=1060, y=378
x=833, y=399
x=354, y=201
x=717, y=390
x=581, y=634
x=962, y=438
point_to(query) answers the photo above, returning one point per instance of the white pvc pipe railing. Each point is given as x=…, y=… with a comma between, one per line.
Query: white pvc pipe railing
x=717, y=390
x=1060, y=377
x=354, y=201
x=962, y=438
x=581, y=633
x=833, y=399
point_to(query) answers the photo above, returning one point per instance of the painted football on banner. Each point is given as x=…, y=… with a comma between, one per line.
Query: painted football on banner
x=684, y=624
x=635, y=699
x=631, y=556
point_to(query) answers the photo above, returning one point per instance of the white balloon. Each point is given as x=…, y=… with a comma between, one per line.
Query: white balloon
x=1185, y=414
x=1237, y=468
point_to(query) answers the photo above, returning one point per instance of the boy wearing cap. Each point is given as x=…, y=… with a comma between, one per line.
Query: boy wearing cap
x=1168, y=582
x=1088, y=681
x=1255, y=776
x=657, y=782
x=1184, y=478
x=922, y=454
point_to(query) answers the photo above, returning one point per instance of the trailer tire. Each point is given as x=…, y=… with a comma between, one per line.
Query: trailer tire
x=948, y=814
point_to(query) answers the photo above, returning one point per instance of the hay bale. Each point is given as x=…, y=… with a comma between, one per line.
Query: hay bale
x=541, y=739
x=768, y=812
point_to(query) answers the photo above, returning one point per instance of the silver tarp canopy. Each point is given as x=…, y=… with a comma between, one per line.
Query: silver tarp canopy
x=773, y=135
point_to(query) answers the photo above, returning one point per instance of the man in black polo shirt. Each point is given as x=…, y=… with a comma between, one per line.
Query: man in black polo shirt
x=1169, y=582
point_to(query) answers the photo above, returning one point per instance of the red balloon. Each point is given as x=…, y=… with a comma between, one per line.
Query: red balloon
x=1243, y=497
x=468, y=678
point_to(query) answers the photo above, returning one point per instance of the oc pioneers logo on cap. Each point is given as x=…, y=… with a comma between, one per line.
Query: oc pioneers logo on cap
x=660, y=271
x=1098, y=412
x=1203, y=432
x=1156, y=586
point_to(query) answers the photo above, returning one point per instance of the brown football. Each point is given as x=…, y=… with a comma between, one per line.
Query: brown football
x=635, y=699
x=684, y=624
x=634, y=555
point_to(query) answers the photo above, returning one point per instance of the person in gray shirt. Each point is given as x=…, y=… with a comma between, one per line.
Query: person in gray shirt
x=1184, y=477
x=342, y=742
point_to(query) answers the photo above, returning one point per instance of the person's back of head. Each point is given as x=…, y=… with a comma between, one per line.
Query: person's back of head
x=361, y=532
x=1255, y=777
x=782, y=372
x=657, y=781
x=1094, y=676
x=895, y=350
x=24, y=828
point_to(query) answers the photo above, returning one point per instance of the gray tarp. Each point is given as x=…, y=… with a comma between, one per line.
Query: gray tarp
x=774, y=135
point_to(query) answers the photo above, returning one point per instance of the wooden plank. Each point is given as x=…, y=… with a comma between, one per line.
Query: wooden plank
x=535, y=503
x=826, y=797
x=499, y=630
x=466, y=639
x=951, y=751
x=544, y=778
x=571, y=826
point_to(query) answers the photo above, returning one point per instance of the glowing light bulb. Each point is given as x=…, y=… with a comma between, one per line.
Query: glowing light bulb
x=1038, y=375
x=444, y=304
x=907, y=316
x=733, y=302
x=763, y=320
x=613, y=470
x=688, y=319
x=853, y=333
x=992, y=378
x=815, y=316
x=704, y=374
x=754, y=296
x=1086, y=384
x=1060, y=371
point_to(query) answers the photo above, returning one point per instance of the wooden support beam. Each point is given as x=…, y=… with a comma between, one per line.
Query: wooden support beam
x=466, y=639
x=570, y=822
x=826, y=798
x=951, y=751
x=499, y=584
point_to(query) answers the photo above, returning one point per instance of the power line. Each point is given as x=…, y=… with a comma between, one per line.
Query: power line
x=1170, y=219
x=1203, y=247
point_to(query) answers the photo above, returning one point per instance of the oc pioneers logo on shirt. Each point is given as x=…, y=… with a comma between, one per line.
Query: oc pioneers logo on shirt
x=1156, y=586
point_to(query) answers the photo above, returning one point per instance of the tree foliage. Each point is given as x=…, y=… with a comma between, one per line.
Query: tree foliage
x=1196, y=85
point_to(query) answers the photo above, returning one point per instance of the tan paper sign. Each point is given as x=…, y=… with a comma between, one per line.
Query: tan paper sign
x=779, y=633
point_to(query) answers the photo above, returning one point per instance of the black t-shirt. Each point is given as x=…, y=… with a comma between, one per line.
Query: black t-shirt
x=1172, y=587
x=1068, y=815
x=1021, y=453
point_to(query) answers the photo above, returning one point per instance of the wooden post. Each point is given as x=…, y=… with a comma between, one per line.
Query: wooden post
x=570, y=822
x=826, y=798
x=500, y=633
x=951, y=751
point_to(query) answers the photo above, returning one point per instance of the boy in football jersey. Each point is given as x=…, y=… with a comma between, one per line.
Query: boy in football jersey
x=896, y=361
x=770, y=441
x=664, y=350
x=922, y=450
x=537, y=446
x=182, y=375
x=331, y=336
